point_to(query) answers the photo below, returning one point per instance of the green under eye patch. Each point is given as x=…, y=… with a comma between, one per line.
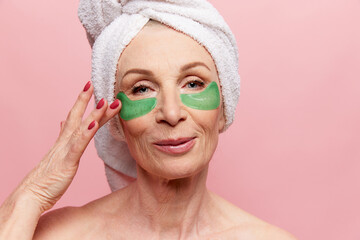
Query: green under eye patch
x=208, y=99
x=133, y=109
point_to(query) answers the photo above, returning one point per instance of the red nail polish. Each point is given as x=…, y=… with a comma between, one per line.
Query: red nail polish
x=114, y=104
x=100, y=104
x=87, y=86
x=91, y=125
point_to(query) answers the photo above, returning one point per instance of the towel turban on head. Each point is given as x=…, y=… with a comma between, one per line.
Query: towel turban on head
x=111, y=25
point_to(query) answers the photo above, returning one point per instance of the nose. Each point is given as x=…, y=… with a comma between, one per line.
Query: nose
x=170, y=110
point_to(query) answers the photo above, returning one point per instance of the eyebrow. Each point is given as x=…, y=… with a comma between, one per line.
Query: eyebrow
x=150, y=73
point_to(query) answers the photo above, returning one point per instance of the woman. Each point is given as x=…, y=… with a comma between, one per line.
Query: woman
x=172, y=145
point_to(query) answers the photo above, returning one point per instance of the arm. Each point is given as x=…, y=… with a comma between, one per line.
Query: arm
x=19, y=215
x=48, y=181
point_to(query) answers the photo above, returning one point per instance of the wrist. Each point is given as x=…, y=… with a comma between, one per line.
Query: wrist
x=20, y=202
x=24, y=201
x=19, y=215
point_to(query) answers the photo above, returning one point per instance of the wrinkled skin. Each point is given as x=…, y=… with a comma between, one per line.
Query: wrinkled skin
x=169, y=199
x=49, y=180
x=164, y=54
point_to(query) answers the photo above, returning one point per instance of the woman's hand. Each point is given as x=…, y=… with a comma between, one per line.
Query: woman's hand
x=53, y=175
x=49, y=180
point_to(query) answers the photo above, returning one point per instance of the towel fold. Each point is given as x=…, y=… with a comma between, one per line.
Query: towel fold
x=111, y=25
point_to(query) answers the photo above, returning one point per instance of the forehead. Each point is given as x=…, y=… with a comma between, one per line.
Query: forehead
x=160, y=48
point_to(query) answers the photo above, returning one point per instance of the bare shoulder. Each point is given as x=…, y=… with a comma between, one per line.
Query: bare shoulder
x=59, y=224
x=243, y=225
x=86, y=222
x=72, y=222
x=258, y=232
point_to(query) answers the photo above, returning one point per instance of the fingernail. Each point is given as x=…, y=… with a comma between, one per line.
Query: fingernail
x=100, y=104
x=114, y=104
x=87, y=86
x=91, y=125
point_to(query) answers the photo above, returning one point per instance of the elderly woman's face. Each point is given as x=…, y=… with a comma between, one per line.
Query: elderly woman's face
x=173, y=140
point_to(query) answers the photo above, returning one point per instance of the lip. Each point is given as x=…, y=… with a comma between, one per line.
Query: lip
x=175, y=146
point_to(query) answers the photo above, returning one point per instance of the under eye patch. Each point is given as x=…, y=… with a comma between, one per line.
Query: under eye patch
x=133, y=109
x=208, y=99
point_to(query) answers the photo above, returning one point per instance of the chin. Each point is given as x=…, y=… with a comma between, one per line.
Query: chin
x=177, y=168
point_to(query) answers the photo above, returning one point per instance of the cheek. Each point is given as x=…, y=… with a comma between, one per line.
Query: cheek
x=134, y=131
x=138, y=133
x=207, y=121
x=207, y=124
x=133, y=127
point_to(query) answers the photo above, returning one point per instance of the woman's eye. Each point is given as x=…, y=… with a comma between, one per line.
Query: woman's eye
x=140, y=89
x=195, y=84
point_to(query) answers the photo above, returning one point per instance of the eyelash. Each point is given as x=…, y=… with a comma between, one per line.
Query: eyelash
x=135, y=89
x=199, y=83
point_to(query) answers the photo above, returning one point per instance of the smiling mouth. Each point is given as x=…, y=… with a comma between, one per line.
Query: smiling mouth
x=175, y=146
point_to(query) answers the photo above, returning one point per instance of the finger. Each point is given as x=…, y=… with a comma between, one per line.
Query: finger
x=77, y=148
x=81, y=137
x=76, y=113
x=97, y=114
x=111, y=111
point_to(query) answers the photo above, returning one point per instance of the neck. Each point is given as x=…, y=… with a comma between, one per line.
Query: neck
x=171, y=207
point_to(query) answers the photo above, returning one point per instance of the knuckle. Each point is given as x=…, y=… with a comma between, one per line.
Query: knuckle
x=95, y=115
x=82, y=97
x=78, y=138
x=72, y=112
x=76, y=134
x=65, y=135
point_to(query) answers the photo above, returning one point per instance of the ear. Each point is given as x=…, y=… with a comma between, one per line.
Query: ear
x=222, y=120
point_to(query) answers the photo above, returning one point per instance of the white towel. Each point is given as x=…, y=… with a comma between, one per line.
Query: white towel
x=111, y=25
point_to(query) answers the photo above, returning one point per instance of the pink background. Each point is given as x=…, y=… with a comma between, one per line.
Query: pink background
x=292, y=155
